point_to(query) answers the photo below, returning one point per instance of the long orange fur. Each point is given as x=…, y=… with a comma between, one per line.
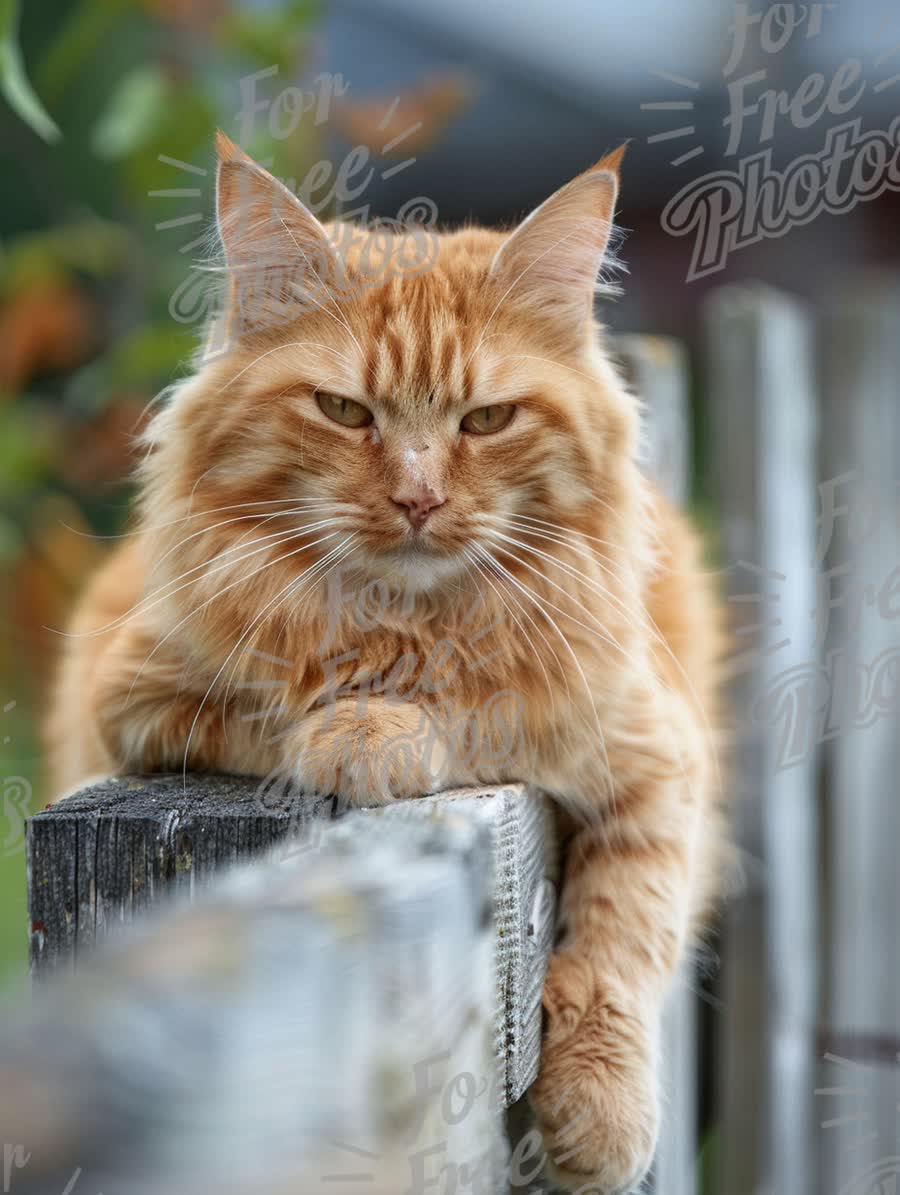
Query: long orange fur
x=552, y=604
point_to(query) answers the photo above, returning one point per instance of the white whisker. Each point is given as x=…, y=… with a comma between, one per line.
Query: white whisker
x=282, y=595
x=486, y=560
x=652, y=629
x=279, y=348
x=318, y=508
x=144, y=528
x=331, y=559
x=240, y=581
x=205, y=570
x=646, y=623
x=541, y=603
x=470, y=555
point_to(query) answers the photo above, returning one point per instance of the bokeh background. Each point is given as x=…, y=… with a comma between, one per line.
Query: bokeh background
x=482, y=106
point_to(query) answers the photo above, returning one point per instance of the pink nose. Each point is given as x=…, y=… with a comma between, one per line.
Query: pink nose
x=418, y=505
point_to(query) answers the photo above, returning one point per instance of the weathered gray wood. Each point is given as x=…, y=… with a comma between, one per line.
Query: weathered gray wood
x=112, y=850
x=761, y=387
x=657, y=370
x=325, y=1011
x=860, y=1100
x=521, y=829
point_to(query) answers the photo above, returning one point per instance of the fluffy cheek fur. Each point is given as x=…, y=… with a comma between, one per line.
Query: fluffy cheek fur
x=258, y=455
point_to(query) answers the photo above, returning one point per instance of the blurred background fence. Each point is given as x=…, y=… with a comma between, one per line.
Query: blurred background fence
x=792, y=389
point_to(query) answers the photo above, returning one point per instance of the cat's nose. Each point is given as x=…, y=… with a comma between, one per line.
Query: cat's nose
x=418, y=504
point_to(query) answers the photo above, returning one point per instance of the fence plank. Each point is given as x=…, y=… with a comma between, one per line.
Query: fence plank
x=122, y=842
x=316, y=1014
x=656, y=368
x=861, y=450
x=182, y=839
x=762, y=407
x=521, y=828
x=657, y=371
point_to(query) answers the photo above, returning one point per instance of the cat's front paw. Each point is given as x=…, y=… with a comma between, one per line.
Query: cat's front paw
x=595, y=1098
x=367, y=753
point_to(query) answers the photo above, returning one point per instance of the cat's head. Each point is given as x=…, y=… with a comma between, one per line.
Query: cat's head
x=403, y=423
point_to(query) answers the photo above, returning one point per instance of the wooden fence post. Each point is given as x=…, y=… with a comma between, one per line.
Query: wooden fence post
x=357, y=1005
x=762, y=409
x=859, y=1104
x=657, y=371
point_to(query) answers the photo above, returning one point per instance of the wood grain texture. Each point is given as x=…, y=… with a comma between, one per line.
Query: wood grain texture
x=323, y=1010
x=521, y=830
x=764, y=416
x=99, y=858
x=861, y=567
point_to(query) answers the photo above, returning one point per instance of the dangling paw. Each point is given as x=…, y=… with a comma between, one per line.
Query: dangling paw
x=595, y=1098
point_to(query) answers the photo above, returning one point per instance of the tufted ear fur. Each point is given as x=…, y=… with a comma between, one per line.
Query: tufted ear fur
x=278, y=254
x=554, y=257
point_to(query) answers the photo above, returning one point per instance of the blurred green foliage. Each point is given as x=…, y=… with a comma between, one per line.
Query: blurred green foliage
x=14, y=82
x=95, y=246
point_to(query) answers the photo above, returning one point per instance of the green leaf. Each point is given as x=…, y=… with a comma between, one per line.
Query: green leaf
x=11, y=542
x=14, y=82
x=133, y=115
x=28, y=449
x=183, y=130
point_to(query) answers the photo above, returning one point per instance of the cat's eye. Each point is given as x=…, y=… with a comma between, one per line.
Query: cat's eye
x=344, y=411
x=484, y=421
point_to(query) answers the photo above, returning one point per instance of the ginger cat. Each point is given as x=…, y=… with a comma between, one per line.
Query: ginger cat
x=393, y=538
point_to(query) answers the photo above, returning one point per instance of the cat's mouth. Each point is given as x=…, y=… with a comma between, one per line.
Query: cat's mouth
x=432, y=538
x=437, y=546
x=419, y=547
x=420, y=556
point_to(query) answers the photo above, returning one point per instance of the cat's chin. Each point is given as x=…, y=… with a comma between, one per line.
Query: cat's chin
x=417, y=566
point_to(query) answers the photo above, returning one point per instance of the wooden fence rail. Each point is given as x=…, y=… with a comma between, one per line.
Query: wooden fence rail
x=358, y=1005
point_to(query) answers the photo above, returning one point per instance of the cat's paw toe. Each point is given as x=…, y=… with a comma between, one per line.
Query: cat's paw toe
x=367, y=756
x=596, y=1097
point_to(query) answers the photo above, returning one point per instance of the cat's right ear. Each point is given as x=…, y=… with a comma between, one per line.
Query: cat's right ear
x=553, y=259
x=278, y=254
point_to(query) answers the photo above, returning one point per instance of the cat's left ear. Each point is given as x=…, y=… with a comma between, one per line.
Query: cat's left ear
x=278, y=254
x=552, y=260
